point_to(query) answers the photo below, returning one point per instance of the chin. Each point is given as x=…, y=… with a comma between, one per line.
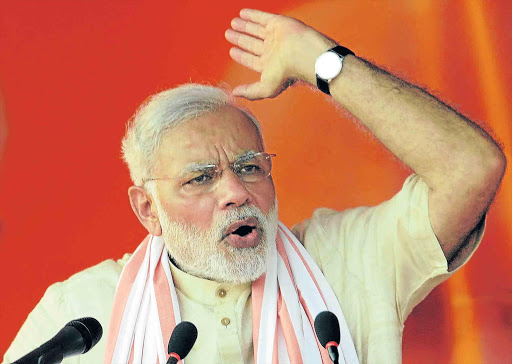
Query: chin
x=233, y=265
x=203, y=254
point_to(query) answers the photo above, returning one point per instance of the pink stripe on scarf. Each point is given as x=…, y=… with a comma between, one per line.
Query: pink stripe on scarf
x=292, y=344
x=163, y=300
x=282, y=252
x=275, y=353
x=323, y=351
x=166, y=310
x=305, y=264
x=256, y=303
x=122, y=293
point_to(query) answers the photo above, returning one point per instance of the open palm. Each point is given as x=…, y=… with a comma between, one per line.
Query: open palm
x=271, y=45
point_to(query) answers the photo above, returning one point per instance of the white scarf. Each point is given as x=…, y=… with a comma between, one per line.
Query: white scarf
x=292, y=282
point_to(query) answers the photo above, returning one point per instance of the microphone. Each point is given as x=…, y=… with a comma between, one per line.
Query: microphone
x=77, y=337
x=182, y=339
x=327, y=330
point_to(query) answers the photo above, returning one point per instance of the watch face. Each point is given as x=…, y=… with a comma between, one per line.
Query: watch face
x=328, y=65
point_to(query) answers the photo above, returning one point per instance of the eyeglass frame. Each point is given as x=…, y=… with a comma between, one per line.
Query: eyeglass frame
x=219, y=170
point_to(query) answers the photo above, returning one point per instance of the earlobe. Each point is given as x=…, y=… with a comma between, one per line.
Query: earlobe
x=141, y=203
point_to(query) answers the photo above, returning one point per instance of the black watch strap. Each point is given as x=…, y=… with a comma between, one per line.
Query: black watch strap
x=323, y=85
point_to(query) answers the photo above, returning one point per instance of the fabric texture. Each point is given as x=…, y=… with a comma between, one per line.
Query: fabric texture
x=285, y=302
x=380, y=262
x=391, y=260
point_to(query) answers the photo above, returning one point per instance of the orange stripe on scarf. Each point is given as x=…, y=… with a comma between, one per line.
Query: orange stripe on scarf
x=166, y=312
x=122, y=293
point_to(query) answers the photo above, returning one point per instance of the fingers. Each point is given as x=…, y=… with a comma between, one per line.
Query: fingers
x=246, y=59
x=248, y=27
x=256, y=16
x=246, y=42
x=248, y=34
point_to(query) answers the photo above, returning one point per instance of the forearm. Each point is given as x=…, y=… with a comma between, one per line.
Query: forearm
x=434, y=140
x=459, y=161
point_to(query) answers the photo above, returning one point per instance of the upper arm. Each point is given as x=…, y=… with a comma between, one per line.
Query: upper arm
x=389, y=249
x=458, y=205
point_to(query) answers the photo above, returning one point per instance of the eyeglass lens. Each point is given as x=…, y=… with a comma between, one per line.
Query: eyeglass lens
x=249, y=169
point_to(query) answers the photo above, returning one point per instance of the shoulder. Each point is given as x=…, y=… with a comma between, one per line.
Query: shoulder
x=89, y=293
x=103, y=274
x=94, y=281
x=327, y=225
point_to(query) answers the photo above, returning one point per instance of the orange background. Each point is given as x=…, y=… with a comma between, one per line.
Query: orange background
x=73, y=72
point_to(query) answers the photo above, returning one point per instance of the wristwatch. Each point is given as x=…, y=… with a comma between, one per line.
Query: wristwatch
x=328, y=65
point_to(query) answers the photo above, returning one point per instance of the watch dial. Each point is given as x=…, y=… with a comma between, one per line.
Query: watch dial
x=328, y=65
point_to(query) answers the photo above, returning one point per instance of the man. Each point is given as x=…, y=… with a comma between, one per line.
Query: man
x=203, y=190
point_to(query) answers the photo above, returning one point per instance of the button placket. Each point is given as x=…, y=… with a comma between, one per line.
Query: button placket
x=222, y=293
x=228, y=337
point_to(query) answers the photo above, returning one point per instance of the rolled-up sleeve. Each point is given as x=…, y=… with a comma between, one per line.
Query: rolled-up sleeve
x=381, y=262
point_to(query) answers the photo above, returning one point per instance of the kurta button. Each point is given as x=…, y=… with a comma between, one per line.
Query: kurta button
x=225, y=321
x=222, y=293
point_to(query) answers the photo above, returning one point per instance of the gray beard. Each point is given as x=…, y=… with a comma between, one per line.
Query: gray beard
x=197, y=252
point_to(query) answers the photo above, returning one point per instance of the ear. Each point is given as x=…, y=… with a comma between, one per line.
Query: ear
x=142, y=206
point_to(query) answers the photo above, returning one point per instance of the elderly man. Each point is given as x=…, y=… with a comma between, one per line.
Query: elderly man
x=216, y=254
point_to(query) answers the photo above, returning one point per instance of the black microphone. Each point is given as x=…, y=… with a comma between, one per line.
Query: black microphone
x=77, y=337
x=327, y=330
x=182, y=339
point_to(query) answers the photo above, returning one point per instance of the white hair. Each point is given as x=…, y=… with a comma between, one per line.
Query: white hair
x=163, y=111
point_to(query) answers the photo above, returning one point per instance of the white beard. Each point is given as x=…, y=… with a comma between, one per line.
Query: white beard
x=197, y=252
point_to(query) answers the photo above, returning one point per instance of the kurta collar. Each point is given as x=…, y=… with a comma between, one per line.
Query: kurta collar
x=206, y=291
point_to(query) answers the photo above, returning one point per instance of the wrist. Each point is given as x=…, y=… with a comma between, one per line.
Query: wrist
x=329, y=65
x=304, y=54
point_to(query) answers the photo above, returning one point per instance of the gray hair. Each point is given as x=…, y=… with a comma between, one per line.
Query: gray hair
x=163, y=111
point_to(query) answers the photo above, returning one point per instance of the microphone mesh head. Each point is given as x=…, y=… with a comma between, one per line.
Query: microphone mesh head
x=182, y=339
x=327, y=328
x=90, y=329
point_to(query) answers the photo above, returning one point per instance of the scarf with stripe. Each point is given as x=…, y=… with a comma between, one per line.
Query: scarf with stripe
x=285, y=302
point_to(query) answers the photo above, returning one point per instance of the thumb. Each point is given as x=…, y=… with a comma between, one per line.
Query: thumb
x=253, y=91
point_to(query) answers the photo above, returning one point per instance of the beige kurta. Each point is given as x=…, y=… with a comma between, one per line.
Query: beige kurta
x=380, y=261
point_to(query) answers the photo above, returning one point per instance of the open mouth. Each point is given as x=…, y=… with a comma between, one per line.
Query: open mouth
x=243, y=230
x=242, y=227
x=243, y=233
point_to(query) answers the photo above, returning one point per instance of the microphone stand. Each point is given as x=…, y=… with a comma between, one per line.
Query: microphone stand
x=333, y=353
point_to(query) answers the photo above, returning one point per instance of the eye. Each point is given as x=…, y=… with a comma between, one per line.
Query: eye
x=199, y=180
x=249, y=169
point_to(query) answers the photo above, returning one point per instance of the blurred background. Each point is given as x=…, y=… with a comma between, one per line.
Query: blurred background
x=73, y=72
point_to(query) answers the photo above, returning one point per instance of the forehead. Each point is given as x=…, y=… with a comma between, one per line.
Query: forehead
x=211, y=138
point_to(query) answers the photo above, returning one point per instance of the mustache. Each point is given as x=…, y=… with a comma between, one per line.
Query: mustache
x=240, y=213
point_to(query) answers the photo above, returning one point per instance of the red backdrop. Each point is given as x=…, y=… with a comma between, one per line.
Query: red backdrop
x=73, y=72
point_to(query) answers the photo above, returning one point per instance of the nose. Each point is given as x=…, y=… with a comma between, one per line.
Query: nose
x=231, y=191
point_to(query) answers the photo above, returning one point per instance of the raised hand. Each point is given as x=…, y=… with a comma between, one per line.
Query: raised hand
x=281, y=48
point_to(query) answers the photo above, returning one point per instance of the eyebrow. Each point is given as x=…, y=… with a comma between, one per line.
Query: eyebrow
x=199, y=167
x=246, y=155
x=196, y=167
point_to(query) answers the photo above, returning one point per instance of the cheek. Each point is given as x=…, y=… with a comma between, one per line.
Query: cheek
x=264, y=195
x=197, y=212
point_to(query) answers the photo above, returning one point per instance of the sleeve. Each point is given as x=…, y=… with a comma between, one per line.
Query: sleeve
x=45, y=320
x=89, y=293
x=390, y=249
